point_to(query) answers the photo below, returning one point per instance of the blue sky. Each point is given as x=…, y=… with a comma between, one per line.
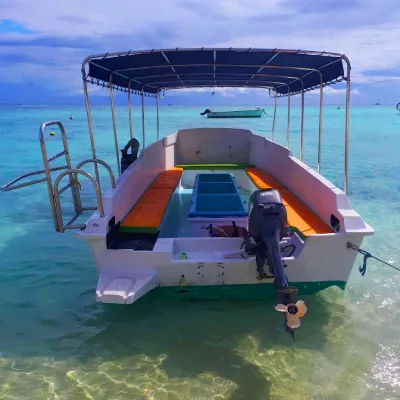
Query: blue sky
x=43, y=42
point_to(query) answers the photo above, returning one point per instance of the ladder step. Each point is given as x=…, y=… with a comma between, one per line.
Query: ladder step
x=60, y=154
x=64, y=189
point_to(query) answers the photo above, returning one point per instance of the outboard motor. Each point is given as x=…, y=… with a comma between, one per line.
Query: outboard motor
x=267, y=225
x=128, y=159
x=206, y=111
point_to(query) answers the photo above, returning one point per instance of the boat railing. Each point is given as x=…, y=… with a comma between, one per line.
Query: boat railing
x=73, y=173
x=54, y=191
x=101, y=162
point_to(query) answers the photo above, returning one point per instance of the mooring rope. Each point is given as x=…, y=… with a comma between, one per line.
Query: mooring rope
x=367, y=255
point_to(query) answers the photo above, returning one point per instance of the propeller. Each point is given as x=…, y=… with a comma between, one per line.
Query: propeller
x=294, y=311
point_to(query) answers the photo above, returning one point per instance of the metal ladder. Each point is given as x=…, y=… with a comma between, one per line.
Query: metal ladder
x=74, y=185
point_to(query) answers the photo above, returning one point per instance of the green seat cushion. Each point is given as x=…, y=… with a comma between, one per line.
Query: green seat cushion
x=215, y=166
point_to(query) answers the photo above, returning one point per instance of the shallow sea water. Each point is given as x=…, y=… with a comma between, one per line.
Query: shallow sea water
x=56, y=342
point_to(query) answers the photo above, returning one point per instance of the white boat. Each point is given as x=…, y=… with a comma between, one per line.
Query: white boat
x=211, y=211
x=253, y=113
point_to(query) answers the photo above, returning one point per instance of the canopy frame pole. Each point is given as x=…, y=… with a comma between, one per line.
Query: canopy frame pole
x=321, y=95
x=89, y=118
x=157, y=107
x=212, y=85
x=347, y=128
x=302, y=124
x=264, y=66
x=143, y=131
x=273, y=121
x=130, y=110
x=260, y=74
x=158, y=116
x=114, y=125
x=288, y=122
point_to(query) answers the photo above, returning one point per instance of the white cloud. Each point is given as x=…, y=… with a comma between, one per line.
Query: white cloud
x=66, y=32
x=330, y=91
x=219, y=91
x=95, y=90
x=92, y=18
x=368, y=48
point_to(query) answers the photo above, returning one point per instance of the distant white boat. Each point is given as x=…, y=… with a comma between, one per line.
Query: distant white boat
x=254, y=113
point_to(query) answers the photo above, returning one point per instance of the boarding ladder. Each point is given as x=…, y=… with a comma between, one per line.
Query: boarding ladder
x=74, y=185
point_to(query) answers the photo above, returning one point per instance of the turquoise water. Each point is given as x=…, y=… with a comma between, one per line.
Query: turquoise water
x=56, y=342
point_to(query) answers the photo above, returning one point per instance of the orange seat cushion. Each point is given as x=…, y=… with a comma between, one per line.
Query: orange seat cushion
x=168, y=179
x=262, y=179
x=148, y=212
x=299, y=215
x=144, y=216
x=154, y=195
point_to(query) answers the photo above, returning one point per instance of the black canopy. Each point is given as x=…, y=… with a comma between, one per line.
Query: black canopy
x=286, y=71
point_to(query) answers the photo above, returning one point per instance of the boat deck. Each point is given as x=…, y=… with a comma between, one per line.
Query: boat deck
x=176, y=222
x=164, y=208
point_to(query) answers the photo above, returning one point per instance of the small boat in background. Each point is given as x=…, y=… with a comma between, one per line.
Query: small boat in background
x=254, y=113
x=398, y=107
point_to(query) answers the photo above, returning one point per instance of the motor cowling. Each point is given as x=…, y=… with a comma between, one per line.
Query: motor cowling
x=267, y=214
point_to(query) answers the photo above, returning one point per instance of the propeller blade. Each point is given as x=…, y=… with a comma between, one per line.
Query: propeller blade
x=292, y=321
x=301, y=305
x=281, y=307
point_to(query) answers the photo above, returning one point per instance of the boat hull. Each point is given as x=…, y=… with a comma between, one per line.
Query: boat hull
x=257, y=291
x=257, y=113
x=186, y=260
x=125, y=275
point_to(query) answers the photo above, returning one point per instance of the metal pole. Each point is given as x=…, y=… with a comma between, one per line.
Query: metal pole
x=130, y=110
x=347, y=128
x=89, y=118
x=302, y=126
x=321, y=94
x=143, y=133
x=273, y=121
x=53, y=206
x=114, y=125
x=158, y=119
x=76, y=198
x=288, y=122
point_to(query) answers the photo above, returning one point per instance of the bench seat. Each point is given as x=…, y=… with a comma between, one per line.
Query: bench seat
x=147, y=214
x=300, y=217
